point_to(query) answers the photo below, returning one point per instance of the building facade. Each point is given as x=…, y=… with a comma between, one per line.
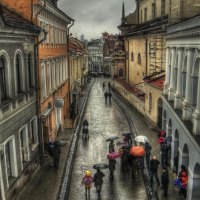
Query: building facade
x=95, y=49
x=19, y=139
x=181, y=100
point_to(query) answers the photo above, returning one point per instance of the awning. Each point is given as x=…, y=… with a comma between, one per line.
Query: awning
x=46, y=113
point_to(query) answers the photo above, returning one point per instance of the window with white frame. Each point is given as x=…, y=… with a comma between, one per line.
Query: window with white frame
x=18, y=70
x=30, y=71
x=43, y=82
x=24, y=145
x=48, y=79
x=34, y=132
x=3, y=86
x=10, y=161
x=57, y=72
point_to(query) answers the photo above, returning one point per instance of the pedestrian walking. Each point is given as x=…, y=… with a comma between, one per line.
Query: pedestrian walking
x=165, y=181
x=98, y=181
x=56, y=156
x=125, y=160
x=112, y=163
x=154, y=170
x=111, y=146
x=87, y=181
x=109, y=85
x=164, y=155
x=148, y=153
x=103, y=85
x=106, y=96
x=176, y=162
x=110, y=96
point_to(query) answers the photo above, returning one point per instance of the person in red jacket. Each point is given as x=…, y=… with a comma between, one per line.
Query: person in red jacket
x=184, y=181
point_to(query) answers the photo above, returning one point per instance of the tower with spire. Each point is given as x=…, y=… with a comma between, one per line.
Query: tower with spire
x=123, y=19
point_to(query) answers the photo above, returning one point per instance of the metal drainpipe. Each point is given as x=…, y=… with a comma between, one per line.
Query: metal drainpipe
x=69, y=61
x=146, y=45
x=128, y=58
x=41, y=148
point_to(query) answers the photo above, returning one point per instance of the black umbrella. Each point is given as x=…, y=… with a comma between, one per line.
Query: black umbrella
x=122, y=144
x=100, y=166
x=126, y=133
x=111, y=138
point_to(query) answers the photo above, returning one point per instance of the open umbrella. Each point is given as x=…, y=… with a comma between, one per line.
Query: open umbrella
x=137, y=151
x=100, y=166
x=126, y=133
x=122, y=144
x=111, y=138
x=113, y=155
x=141, y=138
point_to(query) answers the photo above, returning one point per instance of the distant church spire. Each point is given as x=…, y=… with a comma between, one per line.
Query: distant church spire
x=123, y=19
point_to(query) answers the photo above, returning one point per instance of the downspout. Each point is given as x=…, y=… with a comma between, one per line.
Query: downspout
x=128, y=60
x=146, y=46
x=36, y=46
x=68, y=57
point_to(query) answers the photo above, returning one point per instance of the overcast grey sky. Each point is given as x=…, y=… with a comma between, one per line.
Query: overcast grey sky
x=92, y=17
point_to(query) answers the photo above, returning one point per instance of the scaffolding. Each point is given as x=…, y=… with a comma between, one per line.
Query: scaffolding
x=156, y=53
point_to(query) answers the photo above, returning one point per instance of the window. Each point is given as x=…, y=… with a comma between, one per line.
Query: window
x=162, y=7
x=2, y=79
x=19, y=77
x=150, y=103
x=43, y=79
x=34, y=132
x=145, y=14
x=153, y=11
x=30, y=71
x=139, y=58
x=48, y=78
x=132, y=56
x=141, y=16
x=24, y=145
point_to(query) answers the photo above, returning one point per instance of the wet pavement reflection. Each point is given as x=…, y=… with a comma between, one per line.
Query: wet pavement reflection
x=105, y=120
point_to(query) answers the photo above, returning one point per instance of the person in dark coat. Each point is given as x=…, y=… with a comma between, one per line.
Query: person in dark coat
x=111, y=146
x=176, y=162
x=56, y=156
x=112, y=163
x=164, y=150
x=125, y=159
x=154, y=170
x=165, y=181
x=98, y=181
x=106, y=96
x=148, y=153
x=109, y=85
x=110, y=96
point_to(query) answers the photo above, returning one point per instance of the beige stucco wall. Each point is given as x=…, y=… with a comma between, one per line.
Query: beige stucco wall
x=156, y=94
x=132, y=99
x=137, y=71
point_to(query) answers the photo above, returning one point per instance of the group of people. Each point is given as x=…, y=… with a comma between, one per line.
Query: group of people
x=97, y=180
x=54, y=150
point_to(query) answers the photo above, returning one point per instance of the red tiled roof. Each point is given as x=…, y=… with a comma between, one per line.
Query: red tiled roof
x=132, y=89
x=156, y=82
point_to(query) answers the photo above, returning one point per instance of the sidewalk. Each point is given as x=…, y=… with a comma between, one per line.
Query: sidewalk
x=145, y=128
x=45, y=184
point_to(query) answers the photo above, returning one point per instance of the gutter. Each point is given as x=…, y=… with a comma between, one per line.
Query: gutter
x=128, y=60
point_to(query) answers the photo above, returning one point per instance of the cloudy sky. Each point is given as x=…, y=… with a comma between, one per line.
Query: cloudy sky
x=92, y=17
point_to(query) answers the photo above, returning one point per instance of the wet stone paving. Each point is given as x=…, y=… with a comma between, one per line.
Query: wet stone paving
x=105, y=120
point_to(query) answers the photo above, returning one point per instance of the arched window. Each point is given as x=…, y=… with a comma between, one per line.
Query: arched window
x=139, y=58
x=132, y=56
x=150, y=103
x=141, y=16
x=30, y=71
x=19, y=78
x=145, y=14
x=3, y=89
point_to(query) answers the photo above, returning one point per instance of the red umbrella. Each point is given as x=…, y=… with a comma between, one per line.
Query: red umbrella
x=137, y=151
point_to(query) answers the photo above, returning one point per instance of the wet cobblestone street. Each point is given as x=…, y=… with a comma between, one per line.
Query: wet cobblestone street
x=105, y=120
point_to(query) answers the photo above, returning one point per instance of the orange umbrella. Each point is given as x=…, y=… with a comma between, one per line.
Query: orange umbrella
x=137, y=151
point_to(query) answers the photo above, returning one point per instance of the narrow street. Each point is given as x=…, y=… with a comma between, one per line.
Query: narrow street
x=105, y=120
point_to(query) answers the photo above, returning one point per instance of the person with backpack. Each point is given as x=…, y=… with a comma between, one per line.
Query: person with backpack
x=87, y=181
x=98, y=181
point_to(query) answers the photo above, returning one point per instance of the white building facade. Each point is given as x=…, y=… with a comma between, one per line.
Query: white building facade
x=181, y=99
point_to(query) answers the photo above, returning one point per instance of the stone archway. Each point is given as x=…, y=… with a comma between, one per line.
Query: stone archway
x=164, y=121
x=175, y=150
x=159, y=113
x=185, y=156
x=169, y=128
x=121, y=72
x=196, y=182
